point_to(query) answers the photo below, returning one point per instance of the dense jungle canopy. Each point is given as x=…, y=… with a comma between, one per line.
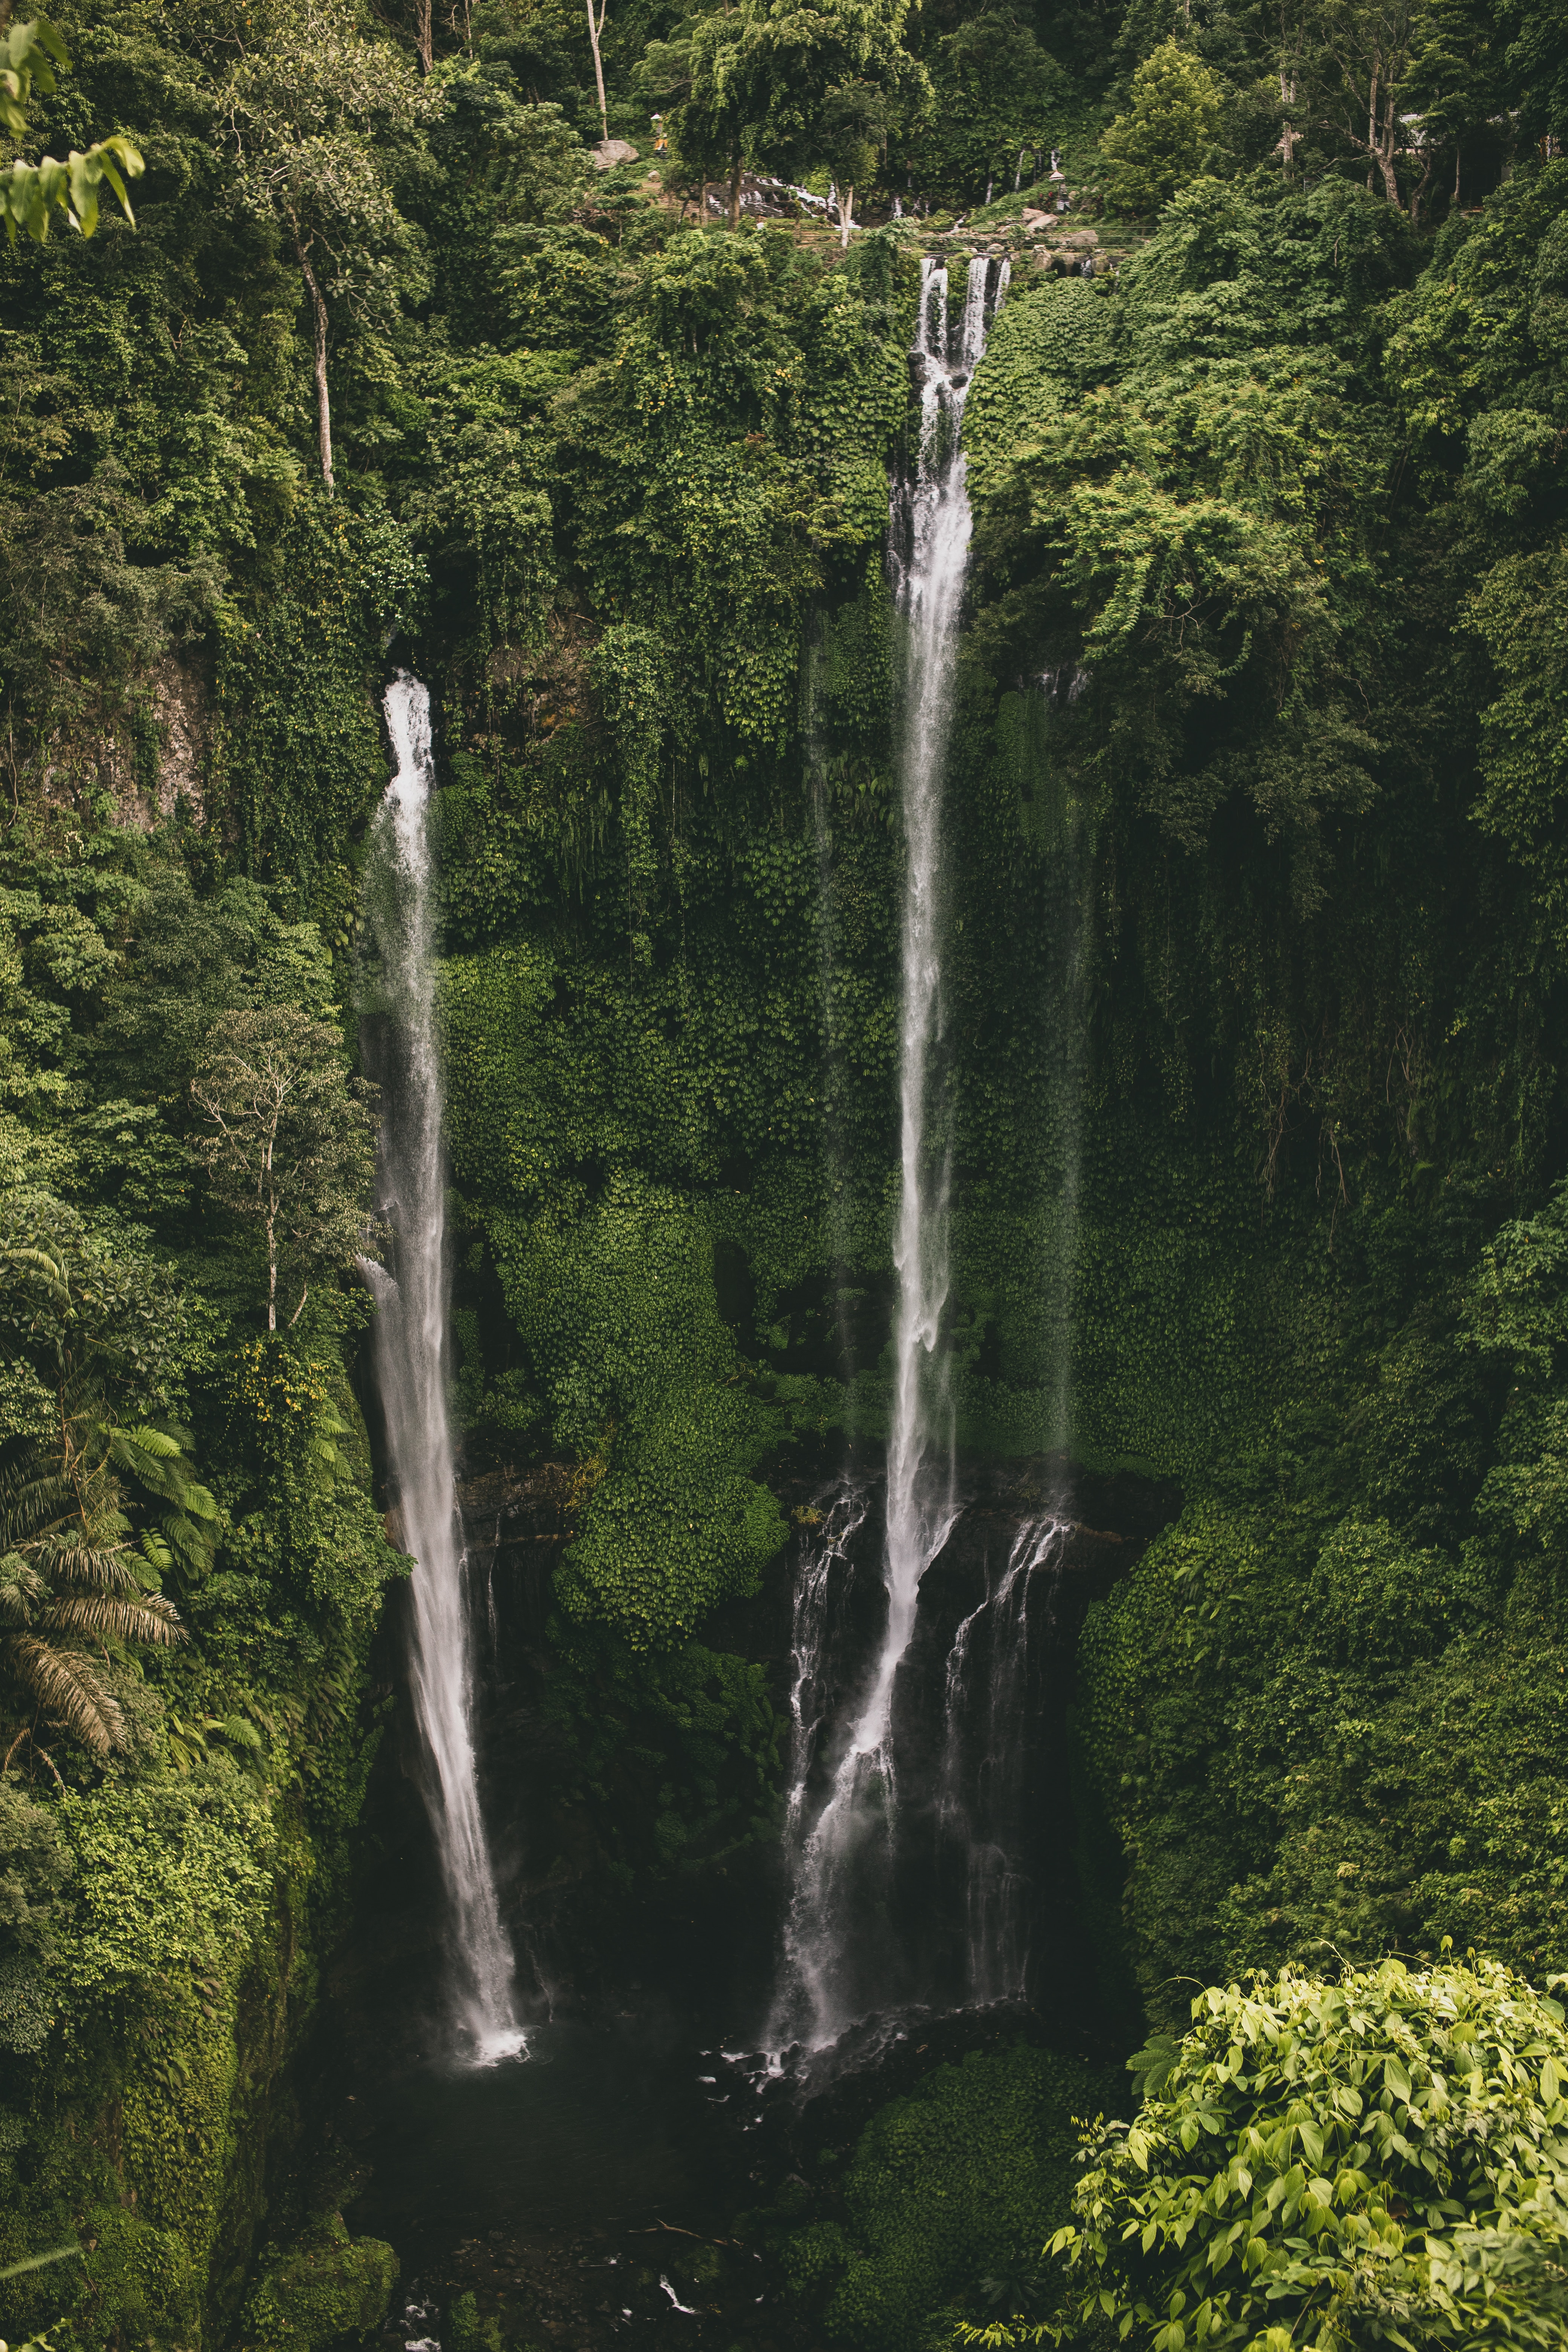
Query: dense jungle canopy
x=1255, y=1099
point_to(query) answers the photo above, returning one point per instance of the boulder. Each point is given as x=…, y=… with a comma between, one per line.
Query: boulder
x=611, y=151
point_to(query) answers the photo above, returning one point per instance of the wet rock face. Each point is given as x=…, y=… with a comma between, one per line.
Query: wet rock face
x=972, y=1892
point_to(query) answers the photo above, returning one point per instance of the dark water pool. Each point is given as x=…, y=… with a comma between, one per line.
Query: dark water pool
x=583, y=2196
x=599, y=2126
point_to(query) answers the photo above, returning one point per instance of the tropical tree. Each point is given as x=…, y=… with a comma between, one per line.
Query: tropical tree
x=1160, y=143
x=300, y=105
x=798, y=86
x=852, y=129
x=595, y=28
x=289, y=1145
x=30, y=193
x=1455, y=84
x=700, y=75
x=832, y=77
x=1368, y=47
x=995, y=89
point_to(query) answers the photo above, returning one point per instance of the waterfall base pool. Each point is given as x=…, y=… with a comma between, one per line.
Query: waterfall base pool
x=585, y=2196
x=597, y=2127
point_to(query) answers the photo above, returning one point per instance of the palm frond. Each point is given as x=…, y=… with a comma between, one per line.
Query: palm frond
x=31, y=1499
x=152, y=1619
x=22, y=1590
x=71, y=1564
x=190, y=1545
x=71, y=1691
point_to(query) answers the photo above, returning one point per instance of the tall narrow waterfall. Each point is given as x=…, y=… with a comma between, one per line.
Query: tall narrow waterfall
x=985, y=1799
x=845, y=1858
x=410, y=1347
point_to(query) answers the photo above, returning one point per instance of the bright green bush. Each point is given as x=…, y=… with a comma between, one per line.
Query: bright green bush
x=1378, y=2160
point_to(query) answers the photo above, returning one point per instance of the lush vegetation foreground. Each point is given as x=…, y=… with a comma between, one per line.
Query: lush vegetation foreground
x=1255, y=1106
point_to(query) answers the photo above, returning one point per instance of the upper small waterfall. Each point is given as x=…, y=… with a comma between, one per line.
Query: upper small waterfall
x=844, y=1856
x=410, y=1348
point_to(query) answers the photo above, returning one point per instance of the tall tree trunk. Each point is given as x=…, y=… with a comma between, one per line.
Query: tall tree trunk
x=425, y=35
x=1372, y=112
x=595, y=27
x=846, y=216
x=1288, y=134
x=1385, y=148
x=323, y=401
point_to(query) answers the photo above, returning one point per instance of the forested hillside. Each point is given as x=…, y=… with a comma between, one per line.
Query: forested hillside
x=1254, y=1096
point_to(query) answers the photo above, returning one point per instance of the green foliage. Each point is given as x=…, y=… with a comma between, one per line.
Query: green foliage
x=1251, y=982
x=1522, y=612
x=951, y=2186
x=1161, y=143
x=328, y=2286
x=30, y=192
x=618, y=1313
x=287, y=1145
x=1049, y=342
x=673, y=1754
x=1378, y=2159
x=1362, y=1743
x=299, y=758
x=171, y=1875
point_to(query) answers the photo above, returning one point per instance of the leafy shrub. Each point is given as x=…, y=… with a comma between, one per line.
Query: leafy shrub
x=1380, y=2159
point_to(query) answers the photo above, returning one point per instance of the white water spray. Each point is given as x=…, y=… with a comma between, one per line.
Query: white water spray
x=984, y=1799
x=410, y=1347
x=849, y=1851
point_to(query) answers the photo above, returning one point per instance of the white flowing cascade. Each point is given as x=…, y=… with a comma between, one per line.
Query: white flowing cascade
x=986, y=1749
x=859, y=1814
x=410, y=1348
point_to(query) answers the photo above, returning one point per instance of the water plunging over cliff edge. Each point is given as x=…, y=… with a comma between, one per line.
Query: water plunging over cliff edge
x=844, y=1857
x=410, y=1348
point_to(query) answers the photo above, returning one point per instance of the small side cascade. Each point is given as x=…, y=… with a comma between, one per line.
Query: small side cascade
x=985, y=1799
x=410, y=1350
x=844, y=1859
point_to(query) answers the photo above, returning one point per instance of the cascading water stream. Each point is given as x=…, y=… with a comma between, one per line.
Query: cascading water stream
x=410, y=1348
x=845, y=1854
x=985, y=1794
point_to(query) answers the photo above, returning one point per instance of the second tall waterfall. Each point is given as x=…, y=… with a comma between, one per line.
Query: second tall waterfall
x=843, y=1859
x=410, y=1350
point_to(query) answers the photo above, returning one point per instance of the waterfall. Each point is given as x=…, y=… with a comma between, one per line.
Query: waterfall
x=844, y=1860
x=986, y=1803
x=410, y=1347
